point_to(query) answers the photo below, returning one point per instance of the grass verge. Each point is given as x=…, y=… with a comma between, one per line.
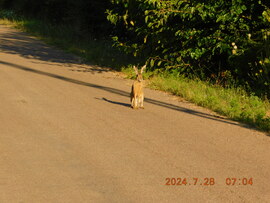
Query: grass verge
x=233, y=103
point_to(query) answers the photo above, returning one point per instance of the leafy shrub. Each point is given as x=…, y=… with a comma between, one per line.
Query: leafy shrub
x=86, y=17
x=220, y=40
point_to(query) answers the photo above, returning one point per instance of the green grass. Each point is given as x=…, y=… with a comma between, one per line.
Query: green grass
x=233, y=103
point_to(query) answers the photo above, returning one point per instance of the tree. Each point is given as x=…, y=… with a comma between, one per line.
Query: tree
x=209, y=39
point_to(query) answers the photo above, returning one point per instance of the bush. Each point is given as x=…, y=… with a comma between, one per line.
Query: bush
x=86, y=17
x=218, y=40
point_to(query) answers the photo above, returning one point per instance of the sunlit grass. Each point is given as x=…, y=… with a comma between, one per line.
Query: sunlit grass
x=233, y=103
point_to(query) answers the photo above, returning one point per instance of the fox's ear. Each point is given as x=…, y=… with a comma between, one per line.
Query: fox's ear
x=136, y=69
x=143, y=68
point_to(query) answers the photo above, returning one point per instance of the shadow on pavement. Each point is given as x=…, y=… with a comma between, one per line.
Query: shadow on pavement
x=22, y=44
x=115, y=102
x=124, y=94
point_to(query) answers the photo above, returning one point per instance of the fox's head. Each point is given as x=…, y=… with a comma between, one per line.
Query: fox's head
x=139, y=73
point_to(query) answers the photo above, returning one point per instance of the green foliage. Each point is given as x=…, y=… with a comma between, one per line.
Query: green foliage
x=4, y=14
x=209, y=39
x=86, y=17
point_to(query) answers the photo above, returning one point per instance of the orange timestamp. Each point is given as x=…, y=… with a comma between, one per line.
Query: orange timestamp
x=209, y=181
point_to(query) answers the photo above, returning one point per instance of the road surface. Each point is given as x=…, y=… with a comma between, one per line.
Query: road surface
x=68, y=134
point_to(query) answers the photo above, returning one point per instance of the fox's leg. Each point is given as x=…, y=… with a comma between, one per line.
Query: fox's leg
x=141, y=101
x=133, y=102
x=136, y=102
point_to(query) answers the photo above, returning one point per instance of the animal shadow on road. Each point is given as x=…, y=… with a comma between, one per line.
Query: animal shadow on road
x=126, y=94
x=114, y=102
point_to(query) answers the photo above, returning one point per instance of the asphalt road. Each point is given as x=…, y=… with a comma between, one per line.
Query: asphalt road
x=68, y=134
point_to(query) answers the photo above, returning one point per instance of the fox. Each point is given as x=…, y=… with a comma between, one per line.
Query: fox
x=137, y=93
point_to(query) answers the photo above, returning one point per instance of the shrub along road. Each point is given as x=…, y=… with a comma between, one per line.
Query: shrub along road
x=67, y=134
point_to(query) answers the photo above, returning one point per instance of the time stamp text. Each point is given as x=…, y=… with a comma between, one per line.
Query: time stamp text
x=210, y=181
